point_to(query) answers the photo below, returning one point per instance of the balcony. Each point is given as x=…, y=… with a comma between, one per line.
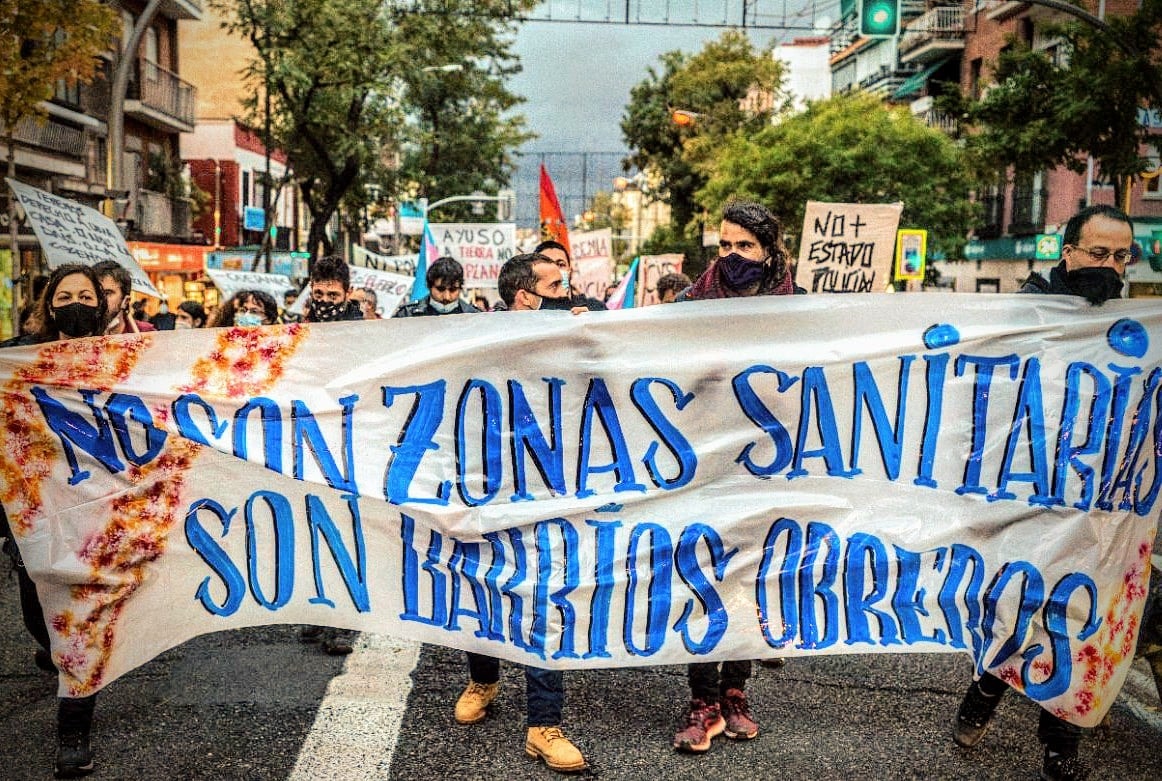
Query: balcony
x=160, y=216
x=52, y=136
x=181, y=9
x=160, y=99
x=999, y=10
x=884, y=81
x=936, y=35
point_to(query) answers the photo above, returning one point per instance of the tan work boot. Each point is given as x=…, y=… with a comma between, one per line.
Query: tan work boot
x=551, y=745
x=473, y=703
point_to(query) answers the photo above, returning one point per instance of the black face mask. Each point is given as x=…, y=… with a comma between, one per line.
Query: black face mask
x=76, y=319
x=323, y=312
x=560, y=304
x=1095, y=285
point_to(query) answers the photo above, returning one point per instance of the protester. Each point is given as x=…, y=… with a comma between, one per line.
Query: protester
x=73, y=305
x=526, y=282
x=285, y=315
x=670, y=286
x=368, y=302
x=330, y=287
x=189, y=314
x=556, y=252
x=1097, y=244
x=751, y=262
x=117, y=285
x=163, y=319
x=445, y=278
x=246, y=308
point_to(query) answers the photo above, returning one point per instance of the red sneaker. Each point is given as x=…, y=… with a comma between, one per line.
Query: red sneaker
x=740, y=725
x=704, y=722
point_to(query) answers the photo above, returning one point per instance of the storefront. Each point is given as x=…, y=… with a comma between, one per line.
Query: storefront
x=1145, y=276
x=176, y=270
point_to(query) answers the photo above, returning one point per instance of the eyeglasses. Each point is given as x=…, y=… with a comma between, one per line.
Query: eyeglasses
x=251, y=310
x=442, y=289
x=1101, y=253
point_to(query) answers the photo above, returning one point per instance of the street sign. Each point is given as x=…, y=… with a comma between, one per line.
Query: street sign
x=911, y=253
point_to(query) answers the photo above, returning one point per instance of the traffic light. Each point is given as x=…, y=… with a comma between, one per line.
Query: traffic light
x=879, y=18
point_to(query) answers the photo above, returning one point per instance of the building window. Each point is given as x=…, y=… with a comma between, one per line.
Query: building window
x=245, y=189
x=151, y=54
x=988, y=285
x=992, y=201
x=1029, y=200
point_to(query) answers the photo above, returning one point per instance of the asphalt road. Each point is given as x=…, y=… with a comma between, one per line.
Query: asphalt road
x=258, y=704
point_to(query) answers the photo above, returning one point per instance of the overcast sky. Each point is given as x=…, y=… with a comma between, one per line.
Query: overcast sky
x=577, y=77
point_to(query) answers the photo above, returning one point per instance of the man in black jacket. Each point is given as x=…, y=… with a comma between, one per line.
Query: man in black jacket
x=1097, y=245
x=556, y=252
x=445, y=280
x=330, y=292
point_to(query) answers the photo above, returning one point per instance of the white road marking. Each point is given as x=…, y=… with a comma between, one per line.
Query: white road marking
x=355, y=731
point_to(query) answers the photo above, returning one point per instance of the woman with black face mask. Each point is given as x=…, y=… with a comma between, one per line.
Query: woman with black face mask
x=72, y=306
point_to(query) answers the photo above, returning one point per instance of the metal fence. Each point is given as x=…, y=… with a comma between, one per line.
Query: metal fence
x=577, y=177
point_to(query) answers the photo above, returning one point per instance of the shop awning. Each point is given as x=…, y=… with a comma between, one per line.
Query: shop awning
x=916, y=81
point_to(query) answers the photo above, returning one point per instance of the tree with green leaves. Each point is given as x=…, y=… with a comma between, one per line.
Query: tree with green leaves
x=367, y=95
x=1041, y=115
x=719, y=92
x=848, y=149
x=462, y=135
x=46, y=42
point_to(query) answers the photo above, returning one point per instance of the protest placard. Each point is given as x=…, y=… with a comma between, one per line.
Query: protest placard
x=230, y=282
x=592, y=262
x=653, y=268
x=70, y=232
x=398, y=264
x=481, y=248
x=561, y=491
x=847, y=247
x=390, y=289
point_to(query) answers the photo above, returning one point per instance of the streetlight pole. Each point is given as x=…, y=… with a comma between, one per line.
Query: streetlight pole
x=115, y=142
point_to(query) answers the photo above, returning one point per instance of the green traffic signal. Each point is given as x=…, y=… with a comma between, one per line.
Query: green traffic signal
x=879, y=18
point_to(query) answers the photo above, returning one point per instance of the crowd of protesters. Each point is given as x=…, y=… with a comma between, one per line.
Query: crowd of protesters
x=79, y=301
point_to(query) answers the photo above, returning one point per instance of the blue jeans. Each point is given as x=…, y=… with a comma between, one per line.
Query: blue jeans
x=544, y=689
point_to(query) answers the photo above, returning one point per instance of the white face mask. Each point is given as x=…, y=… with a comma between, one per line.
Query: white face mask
x=178, y=324
x=444, y=308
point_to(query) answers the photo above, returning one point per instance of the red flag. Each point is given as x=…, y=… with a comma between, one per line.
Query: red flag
x=553, y=225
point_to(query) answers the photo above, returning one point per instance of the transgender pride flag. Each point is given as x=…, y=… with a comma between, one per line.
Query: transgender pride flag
x=428, y=253
x=623, y=295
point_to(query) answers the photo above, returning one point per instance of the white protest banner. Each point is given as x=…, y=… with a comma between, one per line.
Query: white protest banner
x=592, y=262
x=481, y=248
x=70, y=232
x=390, y=289
x=399, y=264
x=814, y=475
x=653, y=268
x=230, y=282
x=847, y=247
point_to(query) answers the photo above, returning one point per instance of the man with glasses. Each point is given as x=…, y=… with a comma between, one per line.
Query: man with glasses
x=445, y=280
x=1098, y=243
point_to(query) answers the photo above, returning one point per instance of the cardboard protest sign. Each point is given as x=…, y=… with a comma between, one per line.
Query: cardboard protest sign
x=230, y=282
x=481, y=248
x=70, y=232
x=398, y=264
x=653, y=268
x=592, y=262
x=560, y=491
x=847, y=247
